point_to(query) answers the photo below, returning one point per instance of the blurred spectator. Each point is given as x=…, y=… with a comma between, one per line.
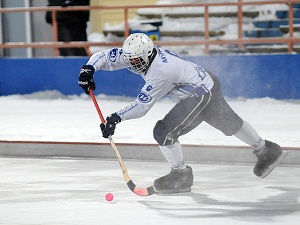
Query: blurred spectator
x=71, y=25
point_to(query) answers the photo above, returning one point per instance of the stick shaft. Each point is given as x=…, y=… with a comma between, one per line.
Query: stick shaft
x=97, y=106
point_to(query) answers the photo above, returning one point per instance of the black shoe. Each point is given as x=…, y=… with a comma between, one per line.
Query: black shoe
x=267, y=159
x=175, y=182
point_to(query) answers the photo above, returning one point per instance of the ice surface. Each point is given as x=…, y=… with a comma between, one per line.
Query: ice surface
x=72, y=192
x=50, y=116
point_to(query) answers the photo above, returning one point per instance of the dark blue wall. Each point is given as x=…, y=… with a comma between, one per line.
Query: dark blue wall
x=251, y=76
x=23, y=76
x=254, y=76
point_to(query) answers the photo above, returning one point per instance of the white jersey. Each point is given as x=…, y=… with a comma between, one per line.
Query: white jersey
x=168, y=74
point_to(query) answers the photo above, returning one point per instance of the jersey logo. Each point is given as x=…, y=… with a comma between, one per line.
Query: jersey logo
x=149, y=88
x=113, y=54
x=144, y=98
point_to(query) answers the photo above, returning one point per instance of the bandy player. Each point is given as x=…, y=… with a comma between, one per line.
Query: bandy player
x=200, y=99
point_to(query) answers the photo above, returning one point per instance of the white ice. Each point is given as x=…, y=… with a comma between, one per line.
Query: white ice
x=50, y=116
x=71, y=191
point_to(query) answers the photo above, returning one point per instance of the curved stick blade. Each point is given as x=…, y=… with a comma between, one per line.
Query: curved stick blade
x=140, y=191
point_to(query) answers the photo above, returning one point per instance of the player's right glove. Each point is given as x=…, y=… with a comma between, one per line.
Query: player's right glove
x=108, y=129
x=85, y=80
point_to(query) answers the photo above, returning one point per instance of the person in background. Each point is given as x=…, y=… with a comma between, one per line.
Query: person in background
x=200, y=99
x=71, y=25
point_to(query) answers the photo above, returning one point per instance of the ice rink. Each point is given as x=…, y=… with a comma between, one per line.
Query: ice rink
x=72, y=192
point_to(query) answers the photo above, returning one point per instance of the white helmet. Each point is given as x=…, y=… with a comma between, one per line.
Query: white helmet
x=137, y=48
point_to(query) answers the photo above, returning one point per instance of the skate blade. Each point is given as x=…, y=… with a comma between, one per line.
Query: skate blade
x=170, y=192
x=276, y=163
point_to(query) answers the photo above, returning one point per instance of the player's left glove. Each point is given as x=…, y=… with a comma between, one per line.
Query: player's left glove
x=108, y=129
x=85, y=80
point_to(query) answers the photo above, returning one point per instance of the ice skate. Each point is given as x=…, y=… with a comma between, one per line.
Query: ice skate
x=268, y=158
x=175, y=182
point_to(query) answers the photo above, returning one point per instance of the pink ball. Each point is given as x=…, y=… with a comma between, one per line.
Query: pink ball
x=109, y=197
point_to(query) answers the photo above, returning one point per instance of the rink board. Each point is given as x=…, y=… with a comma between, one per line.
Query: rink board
x=147, y=152
x=270, y=74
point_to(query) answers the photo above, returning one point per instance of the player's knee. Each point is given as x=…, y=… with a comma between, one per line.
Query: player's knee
x=228, y=133
x=232, y=128
x=159, y=133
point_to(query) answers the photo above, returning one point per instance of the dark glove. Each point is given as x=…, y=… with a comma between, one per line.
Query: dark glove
x=85, y=79
x=108, y=129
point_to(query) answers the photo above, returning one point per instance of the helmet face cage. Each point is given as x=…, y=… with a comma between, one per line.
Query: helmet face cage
x=136, y=49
